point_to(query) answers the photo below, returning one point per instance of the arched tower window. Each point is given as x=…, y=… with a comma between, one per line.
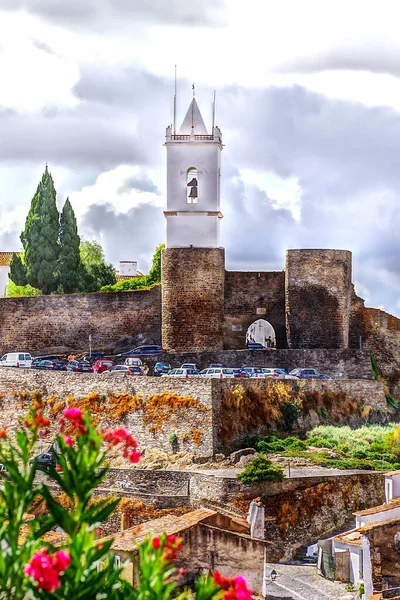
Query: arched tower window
x=192, y=195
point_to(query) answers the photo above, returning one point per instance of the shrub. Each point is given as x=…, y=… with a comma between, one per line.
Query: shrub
x=260, y=470
x=291, y=412
x=293, y=443
x=393, y=442
x=80, y=567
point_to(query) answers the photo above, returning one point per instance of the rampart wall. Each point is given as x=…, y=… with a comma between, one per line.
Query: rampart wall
x=65, y=321
x=201, y=416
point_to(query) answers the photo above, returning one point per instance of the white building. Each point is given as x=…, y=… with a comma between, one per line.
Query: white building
x=5, y=259
x=356, y=559
x=193, y=183
x=127, y=270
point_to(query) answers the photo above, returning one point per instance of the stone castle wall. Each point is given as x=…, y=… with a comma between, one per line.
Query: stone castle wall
x=193, y=298
x=249, y=292
x=45, y=322
x=318, y=298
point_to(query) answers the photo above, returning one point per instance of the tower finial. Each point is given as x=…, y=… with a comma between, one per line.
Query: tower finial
x=175, y=104
x=194, y=93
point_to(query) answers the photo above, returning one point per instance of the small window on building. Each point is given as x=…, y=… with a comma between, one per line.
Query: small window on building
x=192, y=195
x=117, y=561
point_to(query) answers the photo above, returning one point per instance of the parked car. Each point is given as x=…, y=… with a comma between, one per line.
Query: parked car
x=190, y=366
x=16, y=359
x=48, y=365
x=161, y=368
x=133, y=362
x=187, y=373
x=50, y=357
x=254, y=372
x=219, y=373
x=278, y=373
x=255, y=346
x=102, y=365
x=91, y=357
x=308, y=374
x=240, y=373
x=125, y=370
x=78, y=366
x=44, y=460
x=143, y=350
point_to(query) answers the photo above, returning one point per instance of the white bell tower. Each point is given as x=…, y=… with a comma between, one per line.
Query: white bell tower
x=193, y=183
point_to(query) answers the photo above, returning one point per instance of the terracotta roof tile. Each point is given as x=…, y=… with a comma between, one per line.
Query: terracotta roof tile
x=395, y=503
x=352, y=537
x=5, y=258
x=128, y=540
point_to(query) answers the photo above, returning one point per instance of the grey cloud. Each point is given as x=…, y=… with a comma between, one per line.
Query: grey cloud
x=103, y=15
x=125, y=236
x=77, y=138
x=375, y=58
x=42, y=46
x=139, y=184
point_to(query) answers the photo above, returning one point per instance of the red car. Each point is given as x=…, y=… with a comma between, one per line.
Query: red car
x=102, y=365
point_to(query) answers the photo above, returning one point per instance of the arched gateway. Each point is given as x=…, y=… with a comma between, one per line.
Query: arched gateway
x=261, y=332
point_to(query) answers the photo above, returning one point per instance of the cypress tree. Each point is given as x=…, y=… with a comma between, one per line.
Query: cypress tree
x=69, y=259
x=40, y=237
x=17, y=272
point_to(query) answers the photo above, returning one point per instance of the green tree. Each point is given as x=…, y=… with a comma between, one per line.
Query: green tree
x=40, y=237
x=95, y=272
x=17, y=273
x=15, y=291
x=154, y=275
x=69, y=260
x=142, y=282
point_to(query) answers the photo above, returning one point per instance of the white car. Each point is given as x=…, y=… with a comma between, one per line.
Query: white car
x=275, y=373
x=16, y=359
x=186, y=373
x=220, y=373
x=255, y=373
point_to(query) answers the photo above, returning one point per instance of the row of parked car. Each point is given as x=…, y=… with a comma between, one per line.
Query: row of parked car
x=133, y=366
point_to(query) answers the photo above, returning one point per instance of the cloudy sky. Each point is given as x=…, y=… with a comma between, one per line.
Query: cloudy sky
x=308, y=100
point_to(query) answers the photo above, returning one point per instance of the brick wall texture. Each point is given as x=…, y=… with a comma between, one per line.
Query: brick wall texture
x=193, y=298
x=44, y=322
x=318, y=297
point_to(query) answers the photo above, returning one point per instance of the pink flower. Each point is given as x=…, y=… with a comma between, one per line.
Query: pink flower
x=122, y=437
x=75, y=418
x=156, y=543
x=236, y=587
x=62, y=560
x=133, y=456
x=73, y=414
x=45, y=568
x=69, y=441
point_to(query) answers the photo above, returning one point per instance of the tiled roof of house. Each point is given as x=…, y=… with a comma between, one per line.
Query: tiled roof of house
x=376, y=524
x=352, y=537
x=51, y=537
x=128, y=540
x=5, y=258
x=395, y=503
